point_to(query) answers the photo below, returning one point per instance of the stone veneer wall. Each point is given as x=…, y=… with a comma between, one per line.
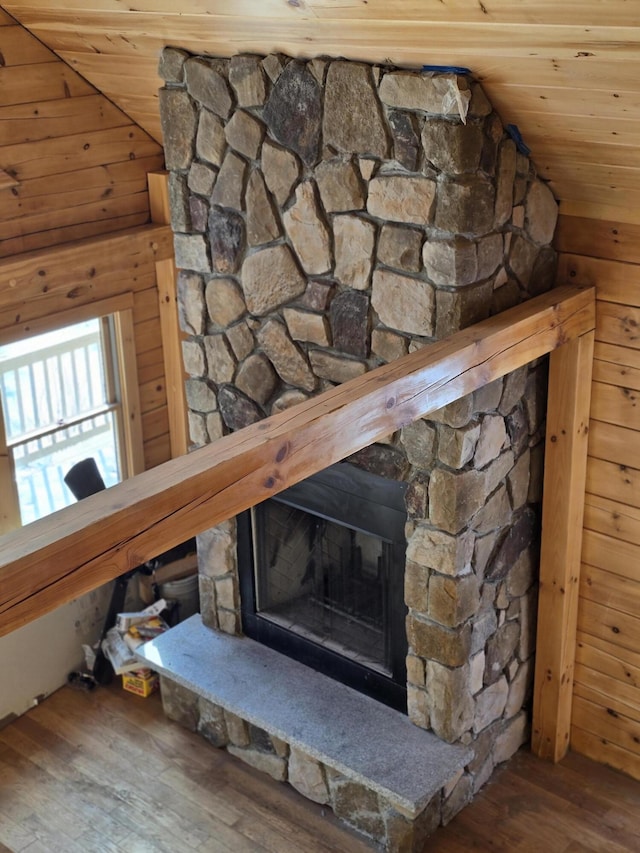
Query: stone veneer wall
x=330, y=216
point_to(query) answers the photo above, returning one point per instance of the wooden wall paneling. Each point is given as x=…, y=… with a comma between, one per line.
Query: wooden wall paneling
x=150, y=365
x=123, y=526
x=615, y=728
x=616, y=281
x=623, y=696
x=19, y=47
x=610, y=588
x=619, y=629
x=618, y=324
x=615, y=444
x=28, y=122
x=621, y=375
x=562, y=516
x=616, y=405
x=46, y=81
x=601, y=750
x=615, y=481
x=612, y=518
x=618, y=241
x=602, y=661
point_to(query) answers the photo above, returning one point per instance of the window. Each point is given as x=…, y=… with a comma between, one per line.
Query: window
x=64, y=399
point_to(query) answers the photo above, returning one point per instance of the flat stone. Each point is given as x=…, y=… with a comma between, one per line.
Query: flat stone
x=455, y=497
x=191, y=252
x=353, y=122
x=452, y=600
x=495, y=514
x=432, y=641
x=247, y=80
x=450, y=704
x=522, y=258
x=206, y=85
x=272, y=765
x=293, y=111
x=406, y=139
x=451, y=262
x=493, y=436
x=178, y=118
x=289, y=362
x=179, y=203
x=509, y=741
x=211, y=724
x=462, y=307
x=191, y=304
x=241, y=340
x=226, y=239
x=236, y=409
x=263, y=226
x=229, y=188
x=308, y=231
x=197, y=429
x=541, y=213
x=504, y=183
x=514, y=388
x=334, y=368
x=210, y=141
x=465, y=206
x=403, y=303
x=200, y=395
x=256, y=378
x=224, y=301
x=220, y=359
x=358, y=806
x=171, y=64
x=244, y=134
x=399, y=247
x=518, y=481
x=456, y=414
x=490, y=704
x=201, y=178
x=402, y=198
x=435, y=549
x=444, y=94
x=418, y=440
x=519, y=537
x=490, y=255
x=307, y=326
x=198, y=213
x=340, y=185
x=281, y=171
x=457, y=446
x=349, y=317
x=217, y=550
x=354, y=241
x=383, y=460
x=326, y=720
x=306, y=776
x=521, y=576
x=452, y=148
x=270, y=277
x=317, y=296
x=519, y=687
x=273, y=65
x=287, y=400
x=388, y=346
x=193, y=358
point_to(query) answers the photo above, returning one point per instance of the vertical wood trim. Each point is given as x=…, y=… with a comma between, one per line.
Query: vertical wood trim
x=132, y=416
x=562, y=517
x=9, y=503
x=169, y=323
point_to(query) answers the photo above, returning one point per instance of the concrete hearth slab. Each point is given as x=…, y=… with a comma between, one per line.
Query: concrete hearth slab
x=338, y=726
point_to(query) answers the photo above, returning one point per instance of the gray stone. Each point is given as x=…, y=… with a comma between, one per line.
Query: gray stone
x=383, y=460
x=229, y=188
x=522, y=258
x=306, y=776
x=417, y=496
x=349, y=317
x=521, y=576
x=480, y=105
x=193, y=358
x=487, y=398
x=517, y=539
x=353, y=122
x=191, y=252
x=317, y=67
x=495, y=514
x=450, y=702
x=217, y=550
x=179, y=703
x=200, y=396
x=340, y=185
x=456, y=446
x=237, y=410
x=215, y=427
x=435, y=549
x=388, y=346
x=434, y=642
x=224, y=301
x=418, y=439
x=354, y=240
x=227, y=594
x=399, y=247
x=263, y=225
x=541, y=211
x=270, y=277
x=476, y=673
x=198, y=213
x=454, y=498
x=273, y=65
x=247, y=79
x=514, y=386
x=500, y=650
x=518, y=481
x=451, y=262
x=452, y=600
x=220, y=359
x=206, y=85
x=402, y=198
x=256, y=378
x=272, y=765
x=490, y=704
x=509, y=741
x=403, y=303
x=191, y=304
x=171, y=64
x=308, y=327
x=504, y=183
x=490, y=255
x=211, y=724
x=465, y=206
x=210, y=141
x=457, y=800
x=317, y=296
x=308, y=232
x=226, y=239
x=528, y=617
x=289, y=362
x=197, y=429
x=358, y=806
x=244, y=134
x=483, y=628
x=543, y=275
x=406, y=139
x=201, y=179
x=461, y=307
x=519, y=689
x=444, y=94
x=178, y=118
x=493, y=436
x=241, y=340
x=452, y=148
x=293, y=111
x=179, y=203
x=281, y=171
x=334, y=368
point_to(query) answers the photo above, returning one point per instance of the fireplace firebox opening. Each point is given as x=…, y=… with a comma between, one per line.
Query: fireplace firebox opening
x=321, y=574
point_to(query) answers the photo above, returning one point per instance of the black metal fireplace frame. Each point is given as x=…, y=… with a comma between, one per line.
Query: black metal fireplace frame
x=372, y=504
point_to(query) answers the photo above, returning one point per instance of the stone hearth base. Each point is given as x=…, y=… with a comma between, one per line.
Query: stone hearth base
x=381, y=775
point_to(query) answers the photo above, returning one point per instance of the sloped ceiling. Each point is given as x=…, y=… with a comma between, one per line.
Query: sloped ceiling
x=566, y=72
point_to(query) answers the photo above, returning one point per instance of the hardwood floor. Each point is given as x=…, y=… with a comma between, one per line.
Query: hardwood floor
x=105, y=771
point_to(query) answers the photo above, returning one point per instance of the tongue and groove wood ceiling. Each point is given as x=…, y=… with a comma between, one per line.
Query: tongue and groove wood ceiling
x=566, y=72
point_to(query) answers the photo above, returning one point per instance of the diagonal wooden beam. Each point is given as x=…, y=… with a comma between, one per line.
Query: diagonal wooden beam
x=81, y=547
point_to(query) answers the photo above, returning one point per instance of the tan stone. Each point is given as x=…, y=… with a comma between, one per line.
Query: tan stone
x=456, y=414
x=306, y=776
x=452, y=147
x=483, y=549
x=388, y=346
x=418, y=439
x=340, y=186
x=367, y=167
x=454, y=498
x=450, y=702
x=417, y=706
x=178, y=117
x=415, y=671
x=490, y=254
x=287, y=400
x=227, y=592
x=518, y=481
x=335, y=368
x=354, y=240
x=476, y=673
x=270, y=277
x=511, y=738
x=200, y=396
x=403, y=303
x=308, y=232
x=456, y=309
x=437, y=550
x=263, y=225
x=217, y=550
x=306, y=326
x=456, y=446
x=416, y=581
x=191, y=252
x=518, y=689
x=521, y=576
x=495, y=514
x=458, y=799
x=229, y=188
x=401, y=198
x=452, y=600
x=493, y=436
x=256, y=378
x=206, y=85
x=197, y=429
x=433, y=641
x=210, y=140
x=497, y=470
x=281, y=171
x=399, y=247
x=244, y=134
x=201, y=179
x=450, y=262
x=487, y=398
x=240, y=340
x=445, y=95
x=193, y=358
x=272, y=765
x=273, y=65
x=352, y=120
x=541, y=213
x=289, y=362
x=220, y=360
x=215, y=428
x=224, y=301
x=505, y=178
x=490, y=704
x=247, y=79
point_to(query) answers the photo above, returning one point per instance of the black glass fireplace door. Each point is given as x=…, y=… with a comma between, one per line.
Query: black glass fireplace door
x=322, y=569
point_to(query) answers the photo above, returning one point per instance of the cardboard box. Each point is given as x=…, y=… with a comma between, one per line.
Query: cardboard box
x=142, y=682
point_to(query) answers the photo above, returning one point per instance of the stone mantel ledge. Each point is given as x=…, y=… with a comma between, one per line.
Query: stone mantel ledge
x=360, y=738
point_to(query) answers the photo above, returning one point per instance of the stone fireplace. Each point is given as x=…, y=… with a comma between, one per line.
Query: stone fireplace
x=331, y=216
